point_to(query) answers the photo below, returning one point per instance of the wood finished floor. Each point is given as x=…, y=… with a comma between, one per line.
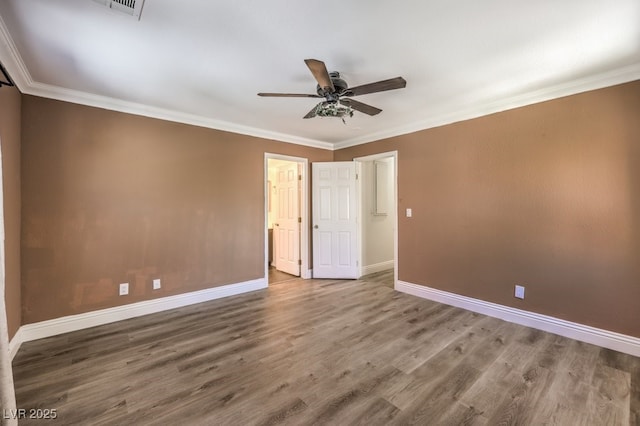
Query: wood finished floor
x=324, y=352
x=276, y=276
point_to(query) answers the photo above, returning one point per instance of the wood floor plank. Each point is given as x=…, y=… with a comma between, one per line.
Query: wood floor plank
x=324, y=352
x=452, y=372
x=572, y=387
x=516, y=408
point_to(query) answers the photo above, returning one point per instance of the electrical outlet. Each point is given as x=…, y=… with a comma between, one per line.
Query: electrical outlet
x=124, y=289
x=519, y=292
x=156, y=284
x=409, y=213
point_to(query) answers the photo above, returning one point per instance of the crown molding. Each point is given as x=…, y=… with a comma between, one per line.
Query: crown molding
x=20, y=74
x=11, y=58
x=594, y=82
x=104, y=102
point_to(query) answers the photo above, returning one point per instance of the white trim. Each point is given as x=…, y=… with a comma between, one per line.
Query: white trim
x=378, y=267
x=597, y=336
x=360, y=214
x=594, y=82
x=98, y=101
x=12, y=60
x=15, y=343
x=40, y=330
x=307, y=274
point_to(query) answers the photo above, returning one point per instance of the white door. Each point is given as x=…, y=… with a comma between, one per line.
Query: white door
x=335, y=251
x=287, y=226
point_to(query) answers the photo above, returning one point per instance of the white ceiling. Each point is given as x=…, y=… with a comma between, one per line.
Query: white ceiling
x=203, y=61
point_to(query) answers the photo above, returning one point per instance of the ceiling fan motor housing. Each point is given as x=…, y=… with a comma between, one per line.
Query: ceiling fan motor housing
x=339, y=85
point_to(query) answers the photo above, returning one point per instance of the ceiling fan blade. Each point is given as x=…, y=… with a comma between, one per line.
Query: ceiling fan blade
x=319, y=71
x=359, y=106
x=378, y=86
x=289, y=95
x=312, y=113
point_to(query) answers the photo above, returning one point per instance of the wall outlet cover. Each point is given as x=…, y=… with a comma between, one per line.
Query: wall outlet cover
x=124, y=289
x=156, y=284
x=519, y=292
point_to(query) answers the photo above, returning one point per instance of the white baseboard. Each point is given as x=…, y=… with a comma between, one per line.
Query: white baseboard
x=378, y=267
x=15, y=342
x=584, y=333
x=69, y=323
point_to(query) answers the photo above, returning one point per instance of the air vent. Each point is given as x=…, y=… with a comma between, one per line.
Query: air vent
x=130, y=7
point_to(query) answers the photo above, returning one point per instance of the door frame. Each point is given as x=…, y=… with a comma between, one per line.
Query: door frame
x=360, y=195
x=305, y=271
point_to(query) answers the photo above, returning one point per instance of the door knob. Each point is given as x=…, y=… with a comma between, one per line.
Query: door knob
x=315, y=226
x=276, y=224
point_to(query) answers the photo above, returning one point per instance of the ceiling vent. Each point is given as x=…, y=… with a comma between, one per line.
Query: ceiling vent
x=130, y=7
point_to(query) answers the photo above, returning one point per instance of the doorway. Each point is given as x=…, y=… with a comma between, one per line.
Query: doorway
x=286, y=218
x=355, y=218
x=377, y=189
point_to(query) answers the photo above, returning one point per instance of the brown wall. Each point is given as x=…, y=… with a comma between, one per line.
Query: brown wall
x=110, y=197
x=10, y=104
x=546, y=196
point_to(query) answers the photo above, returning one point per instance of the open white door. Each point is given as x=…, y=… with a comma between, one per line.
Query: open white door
x=287, y=222
x=335, y=227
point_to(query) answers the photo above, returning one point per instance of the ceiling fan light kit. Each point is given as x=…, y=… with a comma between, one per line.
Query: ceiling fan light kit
x=332, y=88
x=332, y=109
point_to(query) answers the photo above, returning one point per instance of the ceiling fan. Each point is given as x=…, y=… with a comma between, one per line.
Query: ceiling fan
x=337, y=93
